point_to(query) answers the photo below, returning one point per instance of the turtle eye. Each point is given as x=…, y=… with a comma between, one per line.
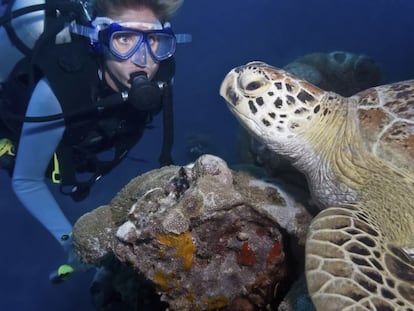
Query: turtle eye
x=253, y=83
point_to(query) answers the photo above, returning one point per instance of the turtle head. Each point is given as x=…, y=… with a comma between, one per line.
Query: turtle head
x=276, y=107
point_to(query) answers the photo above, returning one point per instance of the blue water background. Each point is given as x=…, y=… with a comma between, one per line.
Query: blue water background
x=226, y=33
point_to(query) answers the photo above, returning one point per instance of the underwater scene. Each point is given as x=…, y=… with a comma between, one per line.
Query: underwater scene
x=232, y=224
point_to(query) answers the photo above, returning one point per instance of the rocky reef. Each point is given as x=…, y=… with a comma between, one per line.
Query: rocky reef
x=341, y=72
x=204, y=236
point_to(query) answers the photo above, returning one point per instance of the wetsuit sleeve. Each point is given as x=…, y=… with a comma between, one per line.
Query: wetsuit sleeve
x=38, y=142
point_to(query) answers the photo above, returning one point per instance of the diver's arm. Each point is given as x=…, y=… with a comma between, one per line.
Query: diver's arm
x=38, y=142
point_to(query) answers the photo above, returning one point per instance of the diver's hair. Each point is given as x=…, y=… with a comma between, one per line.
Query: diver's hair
x=163, y=9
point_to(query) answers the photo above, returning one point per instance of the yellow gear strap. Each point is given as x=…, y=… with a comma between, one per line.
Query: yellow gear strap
x=6, y=147
x=56, y=170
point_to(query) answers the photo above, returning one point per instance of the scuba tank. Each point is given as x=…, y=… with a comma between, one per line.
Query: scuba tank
x=19, y=34
x=21, y=24
x=19, y=30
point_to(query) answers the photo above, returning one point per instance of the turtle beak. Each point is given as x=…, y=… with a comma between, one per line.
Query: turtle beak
x=228, y=86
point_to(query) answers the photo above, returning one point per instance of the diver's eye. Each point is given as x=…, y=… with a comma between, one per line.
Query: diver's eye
x=253, y=83
x=153, y=40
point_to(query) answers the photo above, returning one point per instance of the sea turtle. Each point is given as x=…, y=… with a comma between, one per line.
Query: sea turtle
x=357, y=154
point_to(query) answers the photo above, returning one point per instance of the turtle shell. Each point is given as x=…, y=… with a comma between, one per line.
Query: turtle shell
x=386, y=115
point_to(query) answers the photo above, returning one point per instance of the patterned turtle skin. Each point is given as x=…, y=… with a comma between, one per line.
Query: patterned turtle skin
x=357, y=155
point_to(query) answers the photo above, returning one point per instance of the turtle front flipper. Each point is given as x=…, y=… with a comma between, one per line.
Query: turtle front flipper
x=351, y=266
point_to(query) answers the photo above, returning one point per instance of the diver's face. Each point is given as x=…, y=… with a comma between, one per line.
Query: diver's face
x=122, y=69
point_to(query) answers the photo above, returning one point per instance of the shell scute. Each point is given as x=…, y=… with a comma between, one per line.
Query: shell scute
x=386, y=115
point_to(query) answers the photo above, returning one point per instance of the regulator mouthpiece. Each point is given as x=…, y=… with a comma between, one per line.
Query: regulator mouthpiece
x=144, y=95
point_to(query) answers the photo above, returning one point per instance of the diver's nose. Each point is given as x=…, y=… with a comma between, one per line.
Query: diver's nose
x=141, y=56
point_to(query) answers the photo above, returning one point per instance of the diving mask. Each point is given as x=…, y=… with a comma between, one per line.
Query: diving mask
x=123, y=41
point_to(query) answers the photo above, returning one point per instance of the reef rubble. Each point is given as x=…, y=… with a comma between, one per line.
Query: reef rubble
x=205, y=236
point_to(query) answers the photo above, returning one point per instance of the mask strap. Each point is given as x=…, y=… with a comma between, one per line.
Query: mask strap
x=98, y=24
x=85, y=31
x=180, y=37
x=183, y=37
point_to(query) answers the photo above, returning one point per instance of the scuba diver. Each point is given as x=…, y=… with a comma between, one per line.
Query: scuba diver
x=95, y=85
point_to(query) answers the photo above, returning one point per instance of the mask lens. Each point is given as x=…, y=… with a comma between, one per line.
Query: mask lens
x=123, y=43
x=162, y=45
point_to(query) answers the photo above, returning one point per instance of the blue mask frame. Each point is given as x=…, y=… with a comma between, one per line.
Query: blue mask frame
x=166, y=34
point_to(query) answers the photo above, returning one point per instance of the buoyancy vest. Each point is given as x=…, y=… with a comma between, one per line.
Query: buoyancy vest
x=72, y=71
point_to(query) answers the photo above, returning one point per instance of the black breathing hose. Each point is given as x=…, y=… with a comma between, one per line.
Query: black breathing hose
x=102, y=104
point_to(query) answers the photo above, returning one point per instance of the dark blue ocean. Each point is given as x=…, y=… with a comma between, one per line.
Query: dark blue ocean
x=226, y=33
